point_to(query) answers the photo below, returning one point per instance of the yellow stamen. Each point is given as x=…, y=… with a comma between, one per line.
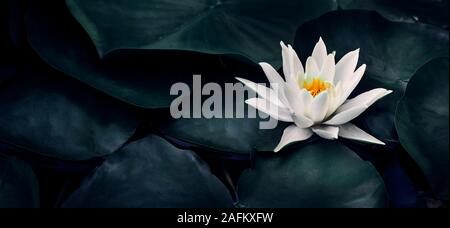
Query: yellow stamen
x=316, y=86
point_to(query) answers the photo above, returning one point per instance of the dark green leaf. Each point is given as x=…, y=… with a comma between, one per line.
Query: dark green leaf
x=322, y=174
x=45, y=113
x=18, y=185
x=151, y=173
x=392, y=51
x=142, y=78
x=232, y=136
x=422, y=123
x=251, y=28
x=424, y=11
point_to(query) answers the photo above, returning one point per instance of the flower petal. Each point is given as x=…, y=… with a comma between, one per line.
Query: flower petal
x=319, y=107
x=320, y=52
x=270, y=109
x=367, y=99
x=346, y=116
x=272, y=75
x=328, y=69
x=312, y=70
x=354, y=107
x=334, y=99
x=299, y=103
x=263, y=92
x=326, y=132
x=292, y=67
x=307, y=99
x=293, y=96
x=352, y=83
x=346, y=66
x=302, y=121
x=293, y=134
x=350, y=131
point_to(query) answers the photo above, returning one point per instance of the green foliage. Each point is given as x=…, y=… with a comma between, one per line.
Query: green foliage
x=84, y=81
x=422, y=123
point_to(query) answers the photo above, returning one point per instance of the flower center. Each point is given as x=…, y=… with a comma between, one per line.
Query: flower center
x=316, y=86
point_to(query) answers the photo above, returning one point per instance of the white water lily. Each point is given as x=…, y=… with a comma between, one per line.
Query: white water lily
x=315, y=98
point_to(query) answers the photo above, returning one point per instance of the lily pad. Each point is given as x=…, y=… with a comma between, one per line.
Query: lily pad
x=151, y=173
x=139, y=77
x=144, y=78
x=54, y=116
x=251, y=28
x=19, y=186
x=424, y=11
x=231, y=137
x=322, y=174
x=422, y=123
x=393, y=51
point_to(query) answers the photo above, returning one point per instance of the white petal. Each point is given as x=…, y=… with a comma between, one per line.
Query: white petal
x=293, y=134
x=270, y=109
x=320, y=52
x=302, y=121
x=326, y=132
x=292, y=67
x=297, y=67
x=299, y=103
x=367, y=99
x=272, y=75
x=334, y=96
x=293, y=96
x=311, y=67
x=319, y=107
x=346, y=116
x=346, y=66
x=263, y=92
x=353, y=82
x=307, y=99
x=354, y=107
x=281, y=96
x=328, y=69
x=350, y=131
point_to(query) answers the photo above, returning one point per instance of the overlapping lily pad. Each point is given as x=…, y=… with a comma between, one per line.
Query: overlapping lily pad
x=139, y=77
x=18, y=185
x=422, y=123
x=321, y=174
x=251, y=28
x=151, y=173
x=392, y=51
x=45, y=113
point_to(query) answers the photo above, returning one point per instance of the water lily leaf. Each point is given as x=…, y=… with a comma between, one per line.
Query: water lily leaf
x=422, y=123
x=230, y=136
x=321, y=174
x=151, y=173
x=244, y=27
x=18, y=185
x=144, y=78
x=141, y=78
x=393, y=51
x=45, y=113
x=424, y=11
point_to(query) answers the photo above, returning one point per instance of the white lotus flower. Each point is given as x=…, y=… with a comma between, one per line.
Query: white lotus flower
x=315, y=99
